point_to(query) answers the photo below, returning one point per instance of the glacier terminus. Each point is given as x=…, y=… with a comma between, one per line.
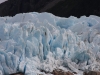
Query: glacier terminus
x=31, y=42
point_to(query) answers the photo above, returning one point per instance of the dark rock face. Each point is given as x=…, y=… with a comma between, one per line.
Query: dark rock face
x=61, y=8
x=61, y=72
x=19, y=73
x=57, y=72
x=92, y=73
x=78, y=8
x=12, y=7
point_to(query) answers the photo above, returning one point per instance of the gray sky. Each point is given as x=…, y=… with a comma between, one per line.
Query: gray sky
x=2, y=1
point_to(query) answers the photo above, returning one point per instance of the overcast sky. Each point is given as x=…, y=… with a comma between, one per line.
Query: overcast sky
x=2, y=1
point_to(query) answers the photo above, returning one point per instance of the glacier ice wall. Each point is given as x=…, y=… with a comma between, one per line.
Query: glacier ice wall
x=31, y=42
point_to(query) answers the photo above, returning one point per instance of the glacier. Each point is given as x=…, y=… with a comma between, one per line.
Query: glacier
x=30, y=42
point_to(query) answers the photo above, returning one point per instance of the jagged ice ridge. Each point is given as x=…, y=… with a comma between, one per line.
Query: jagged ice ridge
x=31, y=42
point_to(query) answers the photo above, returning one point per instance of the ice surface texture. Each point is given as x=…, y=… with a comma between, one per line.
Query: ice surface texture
x=31, y=42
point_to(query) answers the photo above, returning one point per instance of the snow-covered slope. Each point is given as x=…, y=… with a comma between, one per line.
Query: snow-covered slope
x=1, y=1
x=31, y=42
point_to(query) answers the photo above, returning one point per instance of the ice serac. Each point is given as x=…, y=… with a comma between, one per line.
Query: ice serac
x=31, y=42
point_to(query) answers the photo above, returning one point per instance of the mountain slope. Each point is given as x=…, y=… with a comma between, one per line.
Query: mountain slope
x=12, y=7
x=63, y=8
x=76, y=8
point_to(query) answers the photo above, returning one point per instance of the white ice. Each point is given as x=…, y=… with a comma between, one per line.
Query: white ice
x=31, y=42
